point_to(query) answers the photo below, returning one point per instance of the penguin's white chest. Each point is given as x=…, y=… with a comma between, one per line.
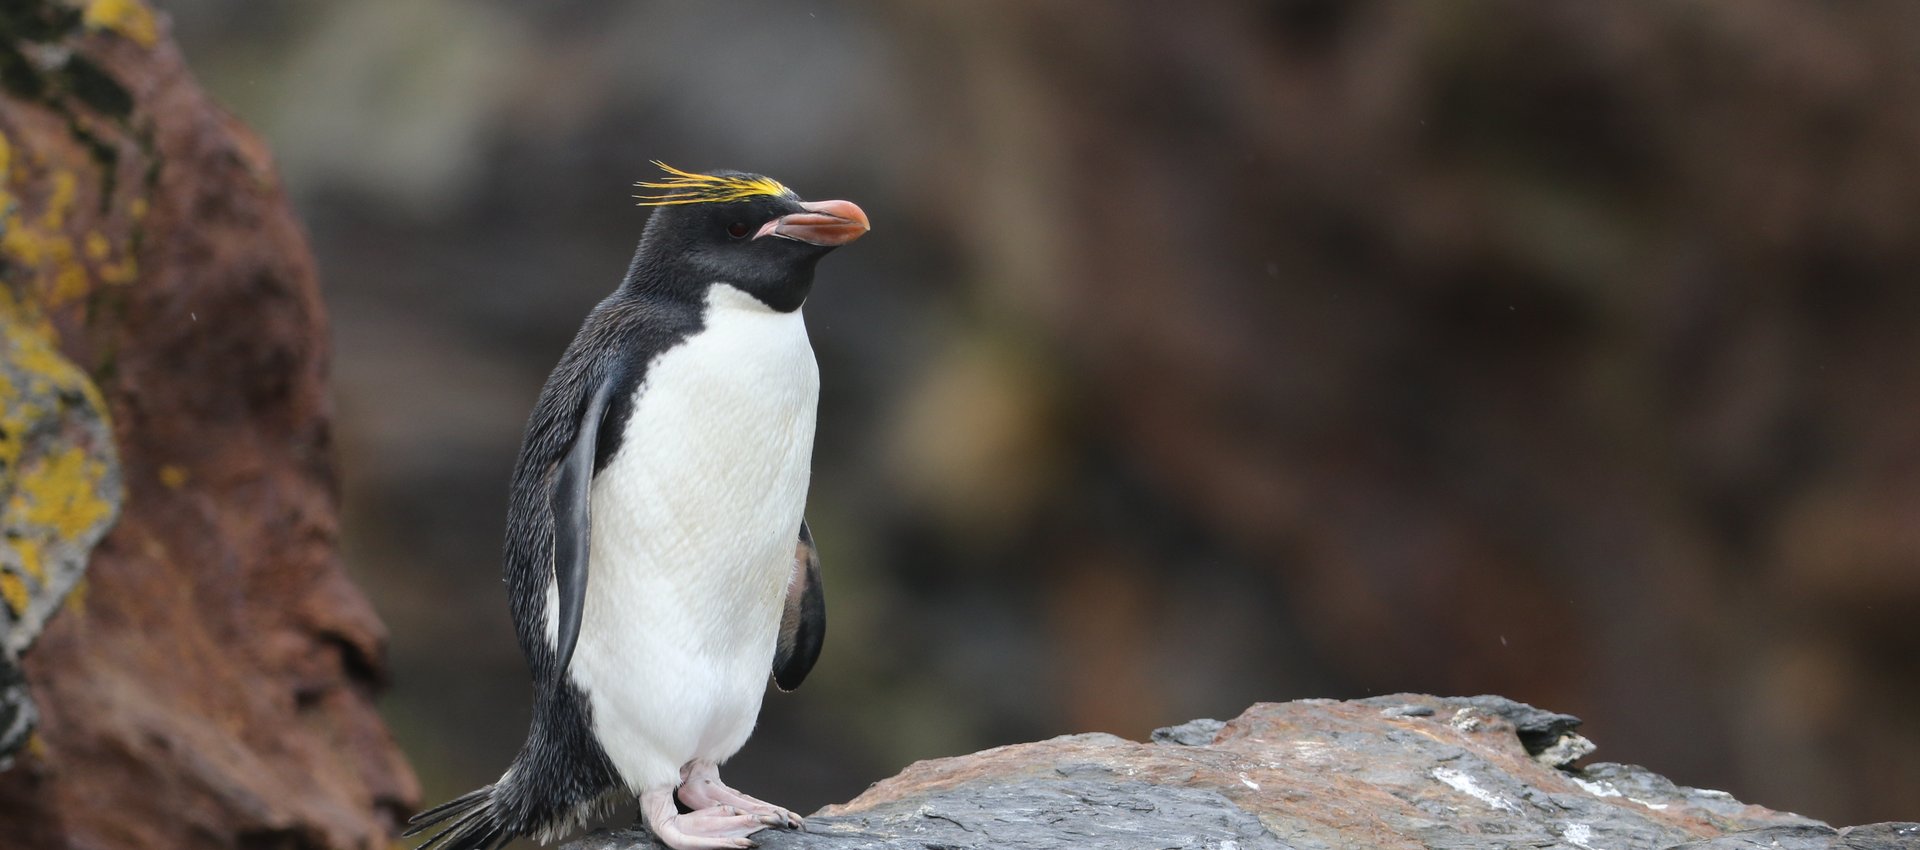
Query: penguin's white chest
x=695, y=520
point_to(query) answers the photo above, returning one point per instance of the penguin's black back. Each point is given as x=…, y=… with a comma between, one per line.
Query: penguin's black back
x=617, y=342
x=619, y=339
x=562, y=767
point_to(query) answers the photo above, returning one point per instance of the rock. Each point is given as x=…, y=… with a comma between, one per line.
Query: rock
x=59, y=493
x=204, y=675
x=1193, y=733
x=1394, y=772
x=1878, y=836
x=1548, y=736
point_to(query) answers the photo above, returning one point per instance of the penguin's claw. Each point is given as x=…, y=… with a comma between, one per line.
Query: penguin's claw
x=708, y=828
x=700, y=788
x=725, y=823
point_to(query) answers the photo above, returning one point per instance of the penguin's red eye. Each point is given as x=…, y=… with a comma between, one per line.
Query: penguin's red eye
x=737, y=230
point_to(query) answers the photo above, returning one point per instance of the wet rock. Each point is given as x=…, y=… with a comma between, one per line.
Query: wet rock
x=1400, y=772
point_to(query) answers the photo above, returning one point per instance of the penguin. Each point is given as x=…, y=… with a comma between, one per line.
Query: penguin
x=658, y=563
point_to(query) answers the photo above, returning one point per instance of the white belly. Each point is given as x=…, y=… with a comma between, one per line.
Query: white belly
x=694, y=524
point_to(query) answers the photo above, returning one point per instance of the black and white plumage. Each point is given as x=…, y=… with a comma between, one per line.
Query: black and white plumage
x=657, y=562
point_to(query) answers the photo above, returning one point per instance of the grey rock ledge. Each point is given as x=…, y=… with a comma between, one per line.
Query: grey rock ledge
x=1403, y=771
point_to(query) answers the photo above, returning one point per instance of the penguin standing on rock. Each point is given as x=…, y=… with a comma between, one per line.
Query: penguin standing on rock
x=657, y=561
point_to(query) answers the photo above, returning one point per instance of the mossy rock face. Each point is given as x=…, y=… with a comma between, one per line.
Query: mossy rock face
x=59, y=493
x=60, y=482
x=197, y=659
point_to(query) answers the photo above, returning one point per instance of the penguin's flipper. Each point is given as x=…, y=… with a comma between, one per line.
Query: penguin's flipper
x=803, y=624
x=573, y=522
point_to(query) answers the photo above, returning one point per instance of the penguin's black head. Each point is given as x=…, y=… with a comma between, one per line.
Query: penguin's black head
x=740, y=229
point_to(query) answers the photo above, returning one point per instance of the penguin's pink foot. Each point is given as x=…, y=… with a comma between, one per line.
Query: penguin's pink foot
x=700, y=788
x=707, y=828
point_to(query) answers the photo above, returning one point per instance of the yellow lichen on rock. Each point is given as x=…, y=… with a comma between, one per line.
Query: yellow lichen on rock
x=13, y=591
x=41, y=243
x=128, y=18
x=77, y=597
x=49, y=263
x=62, y=494
x=27, y=341
x=100, y=250
x=23, y=341
x=33, y=561
x=60, y=201
x=42, y=246
x=14, y=417
x=20, y=243
x=58, y=481
x=69, y=277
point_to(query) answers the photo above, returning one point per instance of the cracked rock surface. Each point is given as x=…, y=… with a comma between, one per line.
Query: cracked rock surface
x=1404, y=771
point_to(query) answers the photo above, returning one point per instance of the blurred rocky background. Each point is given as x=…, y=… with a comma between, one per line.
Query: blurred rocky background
x=1201, y=354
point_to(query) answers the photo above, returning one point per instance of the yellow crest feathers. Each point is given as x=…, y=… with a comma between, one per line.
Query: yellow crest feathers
x=686, y=187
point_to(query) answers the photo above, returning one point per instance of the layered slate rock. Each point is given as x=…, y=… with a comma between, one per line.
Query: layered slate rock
x=1394, y=772
x=204, y=675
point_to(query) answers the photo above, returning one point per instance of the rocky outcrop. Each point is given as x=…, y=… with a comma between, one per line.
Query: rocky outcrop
x=1392, y=772
x=59, y=493
x=204, y=675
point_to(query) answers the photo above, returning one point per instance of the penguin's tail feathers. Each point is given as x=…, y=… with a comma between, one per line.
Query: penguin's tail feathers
x=473, y=822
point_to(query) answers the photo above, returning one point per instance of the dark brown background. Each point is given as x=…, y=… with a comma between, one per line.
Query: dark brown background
x=1202, y=353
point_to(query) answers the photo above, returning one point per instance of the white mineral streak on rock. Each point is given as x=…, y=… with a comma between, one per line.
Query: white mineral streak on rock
x=1597, y=789
x=1315, y=752
x=1465, y=720
x=1466, y=785
x=1579, y=835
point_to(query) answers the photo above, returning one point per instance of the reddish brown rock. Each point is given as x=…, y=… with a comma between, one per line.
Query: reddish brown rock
x=210, y=683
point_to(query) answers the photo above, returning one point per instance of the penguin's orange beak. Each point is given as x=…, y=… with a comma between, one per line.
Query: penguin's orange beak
x=825, y=223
